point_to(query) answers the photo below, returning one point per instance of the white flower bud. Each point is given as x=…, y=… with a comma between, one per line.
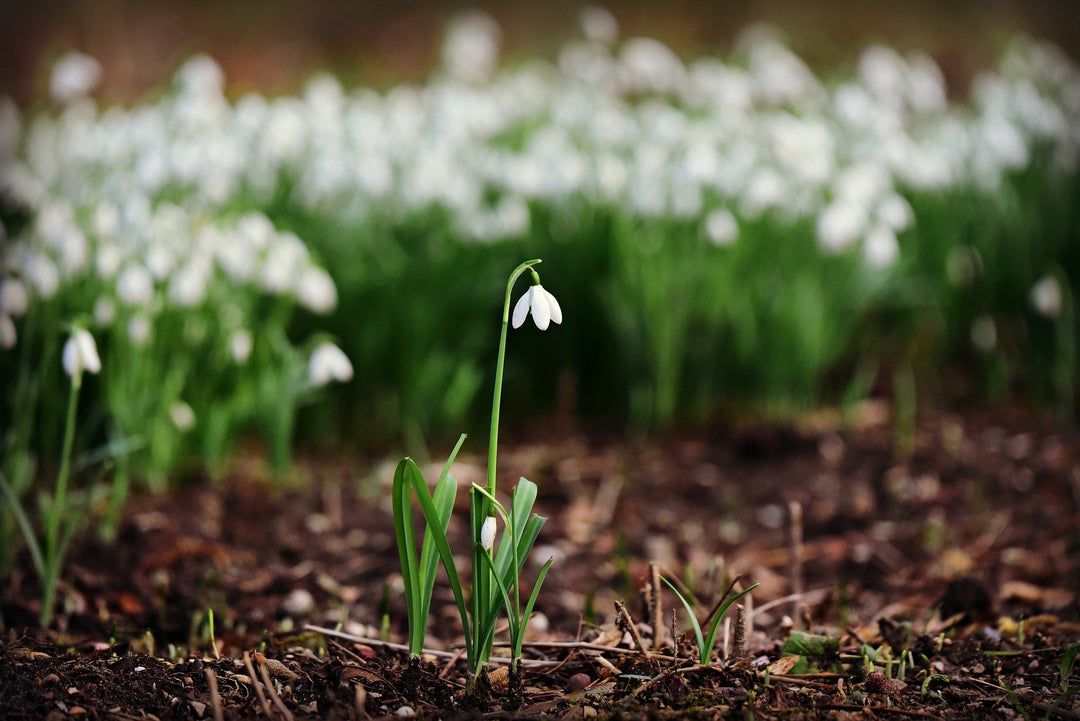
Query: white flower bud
x=487, y=533
x=80, y=354
x=329, y=363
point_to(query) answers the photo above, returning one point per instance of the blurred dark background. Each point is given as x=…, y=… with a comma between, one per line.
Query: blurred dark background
x=273, y=45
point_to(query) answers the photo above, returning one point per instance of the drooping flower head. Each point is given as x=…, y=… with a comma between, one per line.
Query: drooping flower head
x=541, y=303
x=80, y=354
x=328, y=363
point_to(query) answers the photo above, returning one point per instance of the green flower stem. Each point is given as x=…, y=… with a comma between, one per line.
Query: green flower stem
x=57, y=508
x=483, y=576
x=496, y=401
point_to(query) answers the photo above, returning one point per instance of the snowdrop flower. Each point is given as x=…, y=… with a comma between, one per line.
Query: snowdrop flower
x=104, y=311
x=74, y=76
x=240, y=344
x=470, y=50
x=315, y=290
x=139, y=330
x=880, y=248
x=839, y=225
x=328, y=363
x=42, y=274
x=8, y=336
x=135, y=286
x=984, y=333
x=599, y=25
x=182, y=416
x=543, y=305
x=80, y=354
x=1045, y=296
x=721, y=227
x=14, y=299
x=487, y=534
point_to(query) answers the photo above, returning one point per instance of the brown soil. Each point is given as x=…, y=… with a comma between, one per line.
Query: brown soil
x=939, y=555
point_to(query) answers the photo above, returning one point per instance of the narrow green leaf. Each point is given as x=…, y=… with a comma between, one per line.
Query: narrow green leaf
x=406, y=542
x=693, y=621
x=710, y=639
x=527, y=613
x=25, y=526
x=438, y=535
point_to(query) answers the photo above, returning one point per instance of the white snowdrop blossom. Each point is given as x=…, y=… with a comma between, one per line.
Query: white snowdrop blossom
x=1045, y=296
x=470, y=50
x=14, y=299
x=80, y=354
x=721, y=227
x=880, y=248
x=543, y=305
x=135, y=285
x=328, y=363
x=315, y=290
x=139, y=330
x=8, y=335
x=104, y=311
x=984, y=333
x=182, y=416
x=74, y=76
x=240, y=344
x=487, y=534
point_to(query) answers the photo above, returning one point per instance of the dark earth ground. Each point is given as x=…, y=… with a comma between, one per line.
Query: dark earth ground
x=966, y=554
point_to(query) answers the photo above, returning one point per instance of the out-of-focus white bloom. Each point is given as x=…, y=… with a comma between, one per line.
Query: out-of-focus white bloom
x=74, y=75
x=139, y=330
x=106, y=223
x=599, y=25
x=42, y=274
x=104, y=311
x=14, y=299
x=182, y=416
x=188, y=286
x=328, y=363
x=470, y=49
x=721, y=228
x=895, y=212
x=201, y=74
x=134, y=285
x=107, y=259
x=984, y=333
x=487, y=534
x=779, y=76
x=240, y=344
x=543, y=305
x=766, y=189
x=80, y=354
x=1045, y=296
x=8, y=336
x=880, y=248
x=282, y=259
x=651, y=66
x=840, y=225
x=315, y=290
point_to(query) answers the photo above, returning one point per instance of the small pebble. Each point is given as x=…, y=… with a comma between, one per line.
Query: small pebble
x=588, y=712
x=405, y=712
x=299, y=602
x=578, y=682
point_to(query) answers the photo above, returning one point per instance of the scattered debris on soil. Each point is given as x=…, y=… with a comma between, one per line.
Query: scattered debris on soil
x=941, y=585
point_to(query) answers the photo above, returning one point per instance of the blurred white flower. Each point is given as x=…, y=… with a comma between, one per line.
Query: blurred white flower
x=328, y=363
x=182, y=416
x=895, y=212
x=840, y=225
x=487, y=534
x=8, y=336
x=240, y=344
x=188, y=286
x=14, y=299
x=470, y=49
x=139, y=330
x=74, y=75
x=42, y=274
x=80, y=354
x=104, y=311
x=134, y=285
x=1045, y=296
x=721, y=228
x=543, y=305
x=315, y=290
x=880, y=248
x=599, y=25
x=984, y=333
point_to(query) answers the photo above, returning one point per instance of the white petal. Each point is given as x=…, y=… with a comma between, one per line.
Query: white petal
x=541, y=309
x=88, y=355
x=522, y=308
x=8, y=336
x=487, y=533
x=70, y=358
x=556, y=309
